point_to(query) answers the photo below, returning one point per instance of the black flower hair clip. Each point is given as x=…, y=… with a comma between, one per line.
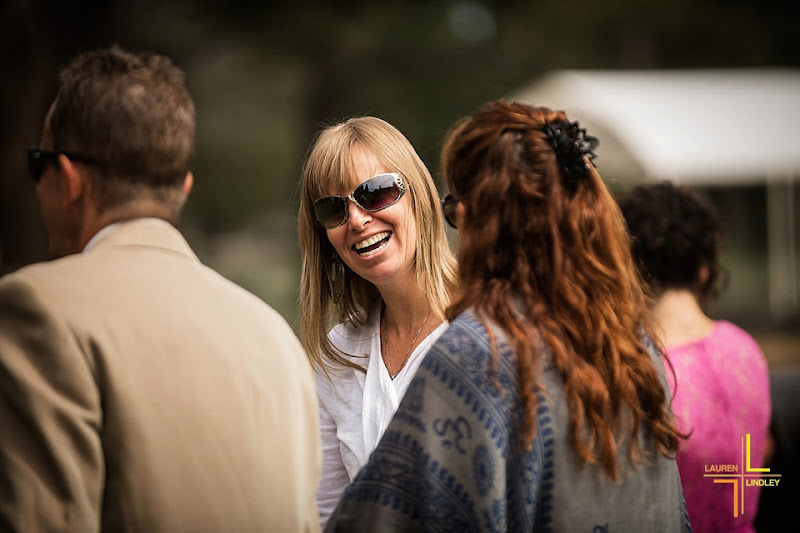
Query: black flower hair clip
x=571, y=144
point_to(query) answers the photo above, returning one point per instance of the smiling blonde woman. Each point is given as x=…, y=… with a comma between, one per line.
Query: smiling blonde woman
x=377, y=275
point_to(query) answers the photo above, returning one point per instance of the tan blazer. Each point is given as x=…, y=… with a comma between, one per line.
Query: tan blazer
x=141, y=391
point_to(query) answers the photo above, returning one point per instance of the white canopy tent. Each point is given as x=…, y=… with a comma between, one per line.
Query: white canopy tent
x=701, y=126
x=697, y=127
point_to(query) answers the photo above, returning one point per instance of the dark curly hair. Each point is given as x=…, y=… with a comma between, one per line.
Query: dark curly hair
x=675, y=234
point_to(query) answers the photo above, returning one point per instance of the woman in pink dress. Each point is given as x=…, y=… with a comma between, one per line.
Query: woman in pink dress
x=721, y=380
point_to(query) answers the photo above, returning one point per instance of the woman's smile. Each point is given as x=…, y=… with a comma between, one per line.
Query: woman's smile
x=371, y=245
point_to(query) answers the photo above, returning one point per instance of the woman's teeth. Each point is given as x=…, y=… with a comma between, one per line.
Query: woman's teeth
x=369, y=246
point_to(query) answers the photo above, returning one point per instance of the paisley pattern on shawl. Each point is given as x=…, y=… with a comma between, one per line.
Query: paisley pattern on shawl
x=450, y=459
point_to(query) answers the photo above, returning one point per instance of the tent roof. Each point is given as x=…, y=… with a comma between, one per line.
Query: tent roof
x=702, y=127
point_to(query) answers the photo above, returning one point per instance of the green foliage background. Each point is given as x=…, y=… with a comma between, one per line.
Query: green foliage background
x=266, y=77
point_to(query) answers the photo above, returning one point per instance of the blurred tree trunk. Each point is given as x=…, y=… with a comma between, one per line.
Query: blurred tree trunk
x=36, y=38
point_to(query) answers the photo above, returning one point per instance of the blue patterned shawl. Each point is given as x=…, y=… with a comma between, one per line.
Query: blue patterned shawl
x=449, y=460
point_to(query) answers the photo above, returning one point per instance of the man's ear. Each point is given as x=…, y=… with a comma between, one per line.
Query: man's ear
x=75, y=180
x=188, y=182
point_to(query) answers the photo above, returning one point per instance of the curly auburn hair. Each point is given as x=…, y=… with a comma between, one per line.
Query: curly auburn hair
x=676, y=235
x=561, y=256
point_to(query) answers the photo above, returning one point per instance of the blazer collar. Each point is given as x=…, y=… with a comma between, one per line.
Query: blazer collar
x=150, y=232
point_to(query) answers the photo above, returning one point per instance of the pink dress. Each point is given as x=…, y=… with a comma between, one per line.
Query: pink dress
x=722, y=395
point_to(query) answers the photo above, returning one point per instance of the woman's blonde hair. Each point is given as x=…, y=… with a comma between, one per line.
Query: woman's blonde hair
x=329, y=164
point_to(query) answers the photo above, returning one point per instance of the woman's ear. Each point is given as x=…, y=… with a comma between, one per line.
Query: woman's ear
x=460, y=211
x=703, y=275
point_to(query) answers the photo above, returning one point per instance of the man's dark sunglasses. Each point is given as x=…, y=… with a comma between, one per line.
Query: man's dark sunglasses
x=449, y=204
x=374, y=194
x=39, y=157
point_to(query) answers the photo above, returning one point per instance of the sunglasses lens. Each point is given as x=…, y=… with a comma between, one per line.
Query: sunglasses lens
x=449, y=209
x=378, y=192
x=330, y=211
x=35, y=163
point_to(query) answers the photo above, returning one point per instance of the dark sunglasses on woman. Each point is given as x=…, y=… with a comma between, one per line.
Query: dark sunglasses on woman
x=449, y=204
x=374, y=194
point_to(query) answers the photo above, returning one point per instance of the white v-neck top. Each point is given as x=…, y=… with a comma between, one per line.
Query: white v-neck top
x=355, y=408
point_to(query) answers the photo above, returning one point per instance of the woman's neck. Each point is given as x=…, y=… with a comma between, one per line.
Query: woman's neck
x=404, y=311
x=679, y=318
x=406, y=320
